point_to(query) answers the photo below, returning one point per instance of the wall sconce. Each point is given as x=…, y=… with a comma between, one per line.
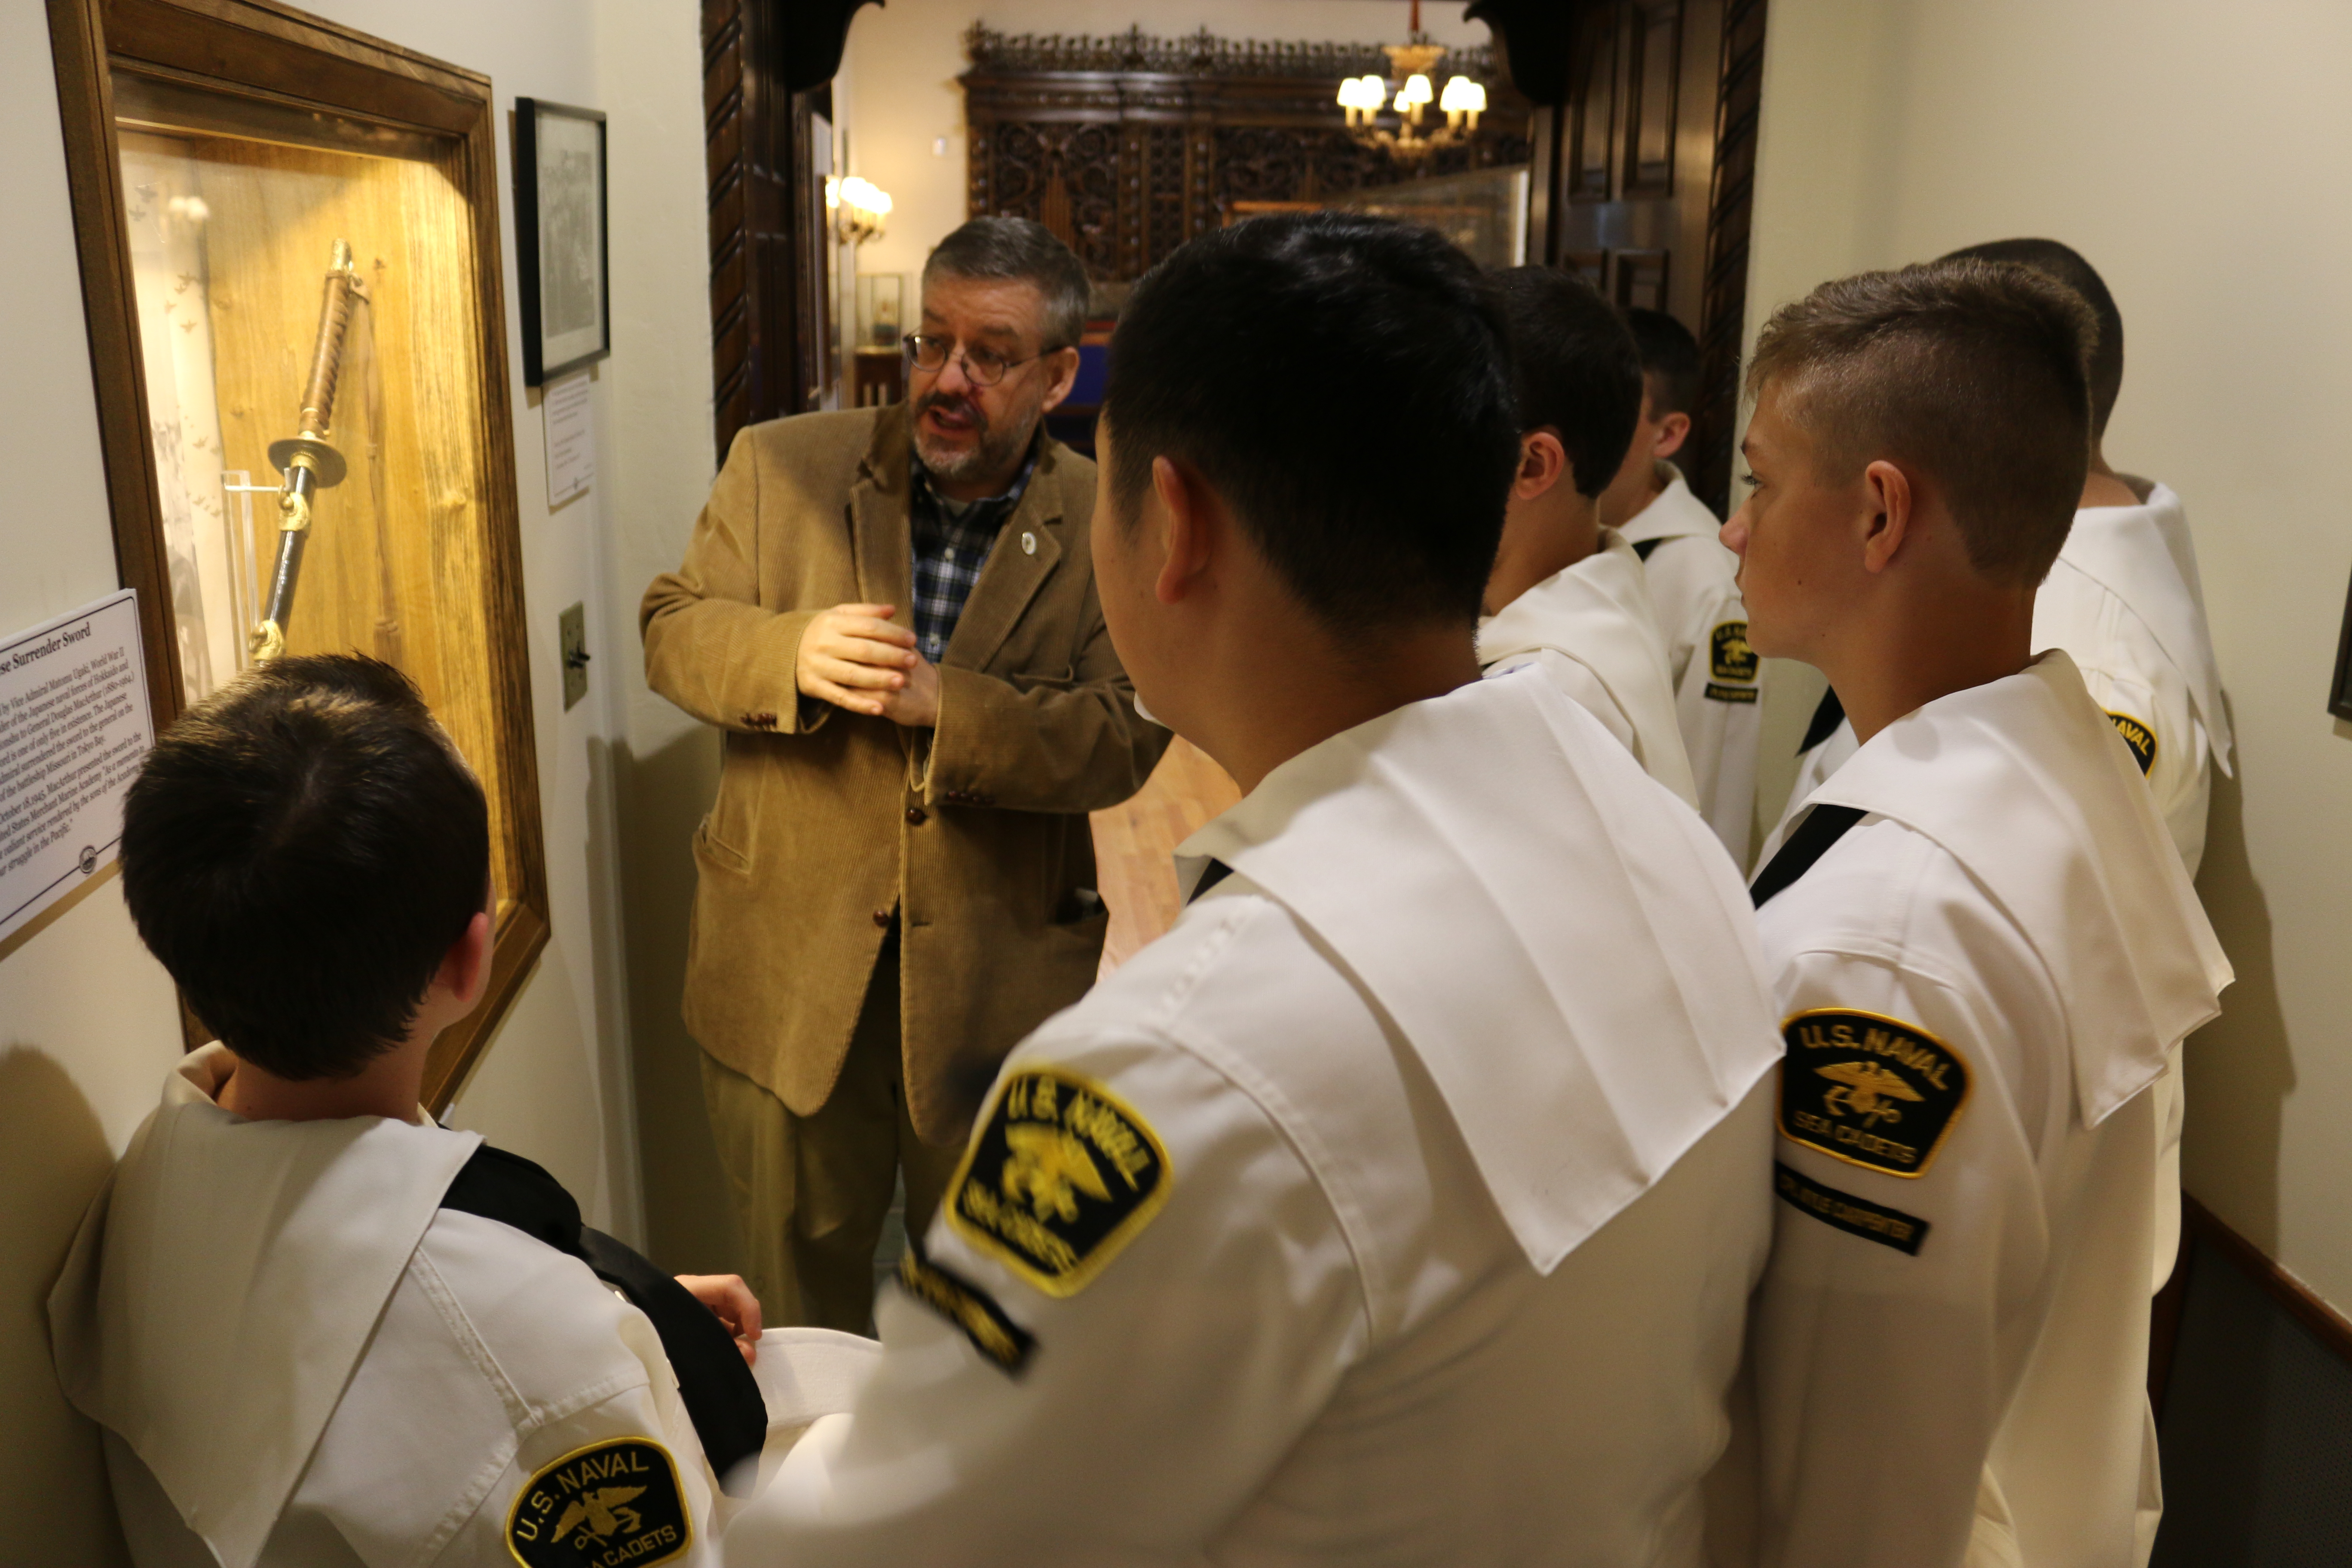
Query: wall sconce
x=858, y=207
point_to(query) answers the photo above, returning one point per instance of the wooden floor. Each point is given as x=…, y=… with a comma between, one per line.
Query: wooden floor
x=1133, y=844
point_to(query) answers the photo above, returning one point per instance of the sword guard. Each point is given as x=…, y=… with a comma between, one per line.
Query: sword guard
x=325, y=461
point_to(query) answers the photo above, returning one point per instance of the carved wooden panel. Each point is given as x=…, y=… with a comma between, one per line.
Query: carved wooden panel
x=1128, y=147
x=1592, y=104
x=1592, y=266
x=1723, y=310
x=1638, y=279
x=1652, y=70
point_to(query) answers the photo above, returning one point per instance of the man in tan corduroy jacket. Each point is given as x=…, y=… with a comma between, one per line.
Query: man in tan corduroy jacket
x=891, y=613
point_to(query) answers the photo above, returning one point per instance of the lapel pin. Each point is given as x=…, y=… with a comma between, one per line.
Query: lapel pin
x=1028, y=542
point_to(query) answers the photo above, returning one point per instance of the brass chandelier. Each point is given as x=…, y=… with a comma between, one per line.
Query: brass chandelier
x=1410, y=65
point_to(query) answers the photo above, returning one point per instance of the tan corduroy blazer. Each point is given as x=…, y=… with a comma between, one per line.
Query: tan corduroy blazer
x=826, y=821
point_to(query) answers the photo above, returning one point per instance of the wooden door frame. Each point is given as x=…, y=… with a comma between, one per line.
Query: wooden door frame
x=270, y=51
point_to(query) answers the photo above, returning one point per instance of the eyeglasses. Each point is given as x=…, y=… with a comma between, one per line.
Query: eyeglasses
x=981, y=368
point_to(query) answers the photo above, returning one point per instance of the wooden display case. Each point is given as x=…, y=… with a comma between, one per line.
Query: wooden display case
x=241, y=173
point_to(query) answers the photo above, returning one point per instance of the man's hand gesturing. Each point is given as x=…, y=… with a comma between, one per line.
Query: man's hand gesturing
x=852, y=656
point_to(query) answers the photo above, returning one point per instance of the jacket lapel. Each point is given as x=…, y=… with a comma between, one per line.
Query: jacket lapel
x=1015, y=573
x=881, y=534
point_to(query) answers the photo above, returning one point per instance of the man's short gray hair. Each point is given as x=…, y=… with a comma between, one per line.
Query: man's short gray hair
x=1020, y=249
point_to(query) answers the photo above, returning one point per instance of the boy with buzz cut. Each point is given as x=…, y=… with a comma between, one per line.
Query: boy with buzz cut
x=1691, y=577
x=1985, y=947
x=317, y=1327
x=1401, y=1205
x=1566, y=595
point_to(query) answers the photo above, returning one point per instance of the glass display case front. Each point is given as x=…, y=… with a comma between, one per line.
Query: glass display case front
x=289, y=235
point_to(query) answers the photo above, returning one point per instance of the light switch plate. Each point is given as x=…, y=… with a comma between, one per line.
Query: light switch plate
x=572, y=634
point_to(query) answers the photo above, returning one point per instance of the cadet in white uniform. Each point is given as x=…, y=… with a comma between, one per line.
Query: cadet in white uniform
x=1692, y=581
x=317, y=1329
x=1566, y=593
x=1389, y=1209
x=1985, y=947
x=2124, y=598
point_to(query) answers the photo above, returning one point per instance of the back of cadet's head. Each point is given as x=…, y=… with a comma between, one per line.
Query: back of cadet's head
x=1669, y=360
x=1971, y=372
x=1344, y=383
x=2066, y=265
x=300, y=851
x=1575, y=369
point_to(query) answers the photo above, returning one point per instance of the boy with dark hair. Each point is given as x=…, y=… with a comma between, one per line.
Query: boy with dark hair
x=1691, y=576
x=316, y=1327
x=1400, y=1205
x=1985, y=947
x=1566, y=595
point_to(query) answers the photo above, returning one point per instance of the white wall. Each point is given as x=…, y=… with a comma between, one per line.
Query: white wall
x=87, y=1022
x=2199, y=156
x=898, y=93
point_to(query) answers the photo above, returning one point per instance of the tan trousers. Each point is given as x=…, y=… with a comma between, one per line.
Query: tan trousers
x=811, y=1192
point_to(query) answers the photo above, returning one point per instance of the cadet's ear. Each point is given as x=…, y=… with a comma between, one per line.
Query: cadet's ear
x=465, y=972
x=1196, y=521
x=1543, y=463
x=1888, y=515
x=1673, y=431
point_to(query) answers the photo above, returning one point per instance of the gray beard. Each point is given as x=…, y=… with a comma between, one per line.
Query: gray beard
x=992, y=453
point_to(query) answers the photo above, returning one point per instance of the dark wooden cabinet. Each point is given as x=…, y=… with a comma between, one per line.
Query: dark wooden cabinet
x=1644, y=171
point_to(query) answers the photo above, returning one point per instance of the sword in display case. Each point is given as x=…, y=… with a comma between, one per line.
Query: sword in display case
x=307, y=462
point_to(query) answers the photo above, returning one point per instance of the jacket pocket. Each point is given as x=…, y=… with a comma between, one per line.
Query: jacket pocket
x=719, y=853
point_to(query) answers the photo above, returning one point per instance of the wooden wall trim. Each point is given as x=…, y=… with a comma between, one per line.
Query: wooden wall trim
x=754, y=142
x=1723, y=314
x=2331, y=1328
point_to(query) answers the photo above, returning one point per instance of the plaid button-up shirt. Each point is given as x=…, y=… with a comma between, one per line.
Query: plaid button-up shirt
x=951, y=545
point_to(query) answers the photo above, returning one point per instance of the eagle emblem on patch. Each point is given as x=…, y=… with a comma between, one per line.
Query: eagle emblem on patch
x=1871, y=1090
x=2139, y=737
x=1061, y=1175
x=1728, y=656
x=608, y=1505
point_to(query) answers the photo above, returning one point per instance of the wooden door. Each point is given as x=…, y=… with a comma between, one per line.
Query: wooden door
x=1642, y=176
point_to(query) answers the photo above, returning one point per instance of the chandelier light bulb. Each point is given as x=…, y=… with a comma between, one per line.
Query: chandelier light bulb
x=1415, y=91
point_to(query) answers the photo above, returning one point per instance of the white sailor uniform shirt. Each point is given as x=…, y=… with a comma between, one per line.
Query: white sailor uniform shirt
x=1384, y=1211
x=299, y=1357
x=1980, y=979
x=1591, y=628
x=1718, y=678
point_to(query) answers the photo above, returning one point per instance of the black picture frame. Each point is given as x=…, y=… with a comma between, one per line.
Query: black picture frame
x=2339, y=691
x=560, y=227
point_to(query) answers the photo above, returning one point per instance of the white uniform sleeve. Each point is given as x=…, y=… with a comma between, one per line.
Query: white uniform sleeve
x=1719, y=708
x=1156, y=1398
x=1582, y=685
x=1878, y=1353
x=2180, y=768
x=505, y=1384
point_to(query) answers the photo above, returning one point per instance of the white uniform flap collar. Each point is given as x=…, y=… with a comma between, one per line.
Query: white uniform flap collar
x=1673, y=513
x=2024, y=783
x=2145, y=556
x=1599, y=613
x=225, y=1283
x=1568, y=953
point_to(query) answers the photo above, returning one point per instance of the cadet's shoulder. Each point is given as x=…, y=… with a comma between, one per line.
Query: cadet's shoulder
x=550, y=1325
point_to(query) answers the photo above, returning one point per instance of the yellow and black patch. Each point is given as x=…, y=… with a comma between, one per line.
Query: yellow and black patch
x=1728, y=656
x=970, y=1309
x=1844, y=1211
x=1060, y=1178
x=615, y=1504
x=2139, y=737
x=1871, y=1090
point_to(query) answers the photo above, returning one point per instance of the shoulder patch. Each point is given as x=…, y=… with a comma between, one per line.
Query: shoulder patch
x=970, y=1309
x=2139, y=737
x=1060, y=1178
x=1728, y=656
x=611, y=1503
x=1871, y=1090
x=1844, y=1211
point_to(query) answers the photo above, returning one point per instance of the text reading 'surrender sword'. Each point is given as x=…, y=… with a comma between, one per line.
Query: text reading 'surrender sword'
x=308, y=463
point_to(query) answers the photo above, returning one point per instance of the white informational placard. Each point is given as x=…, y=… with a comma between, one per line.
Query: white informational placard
x=74, y=726
x=571, y=438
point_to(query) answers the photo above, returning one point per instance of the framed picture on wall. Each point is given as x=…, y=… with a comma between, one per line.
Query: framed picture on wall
x=560, y=252
x=2339, y=690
